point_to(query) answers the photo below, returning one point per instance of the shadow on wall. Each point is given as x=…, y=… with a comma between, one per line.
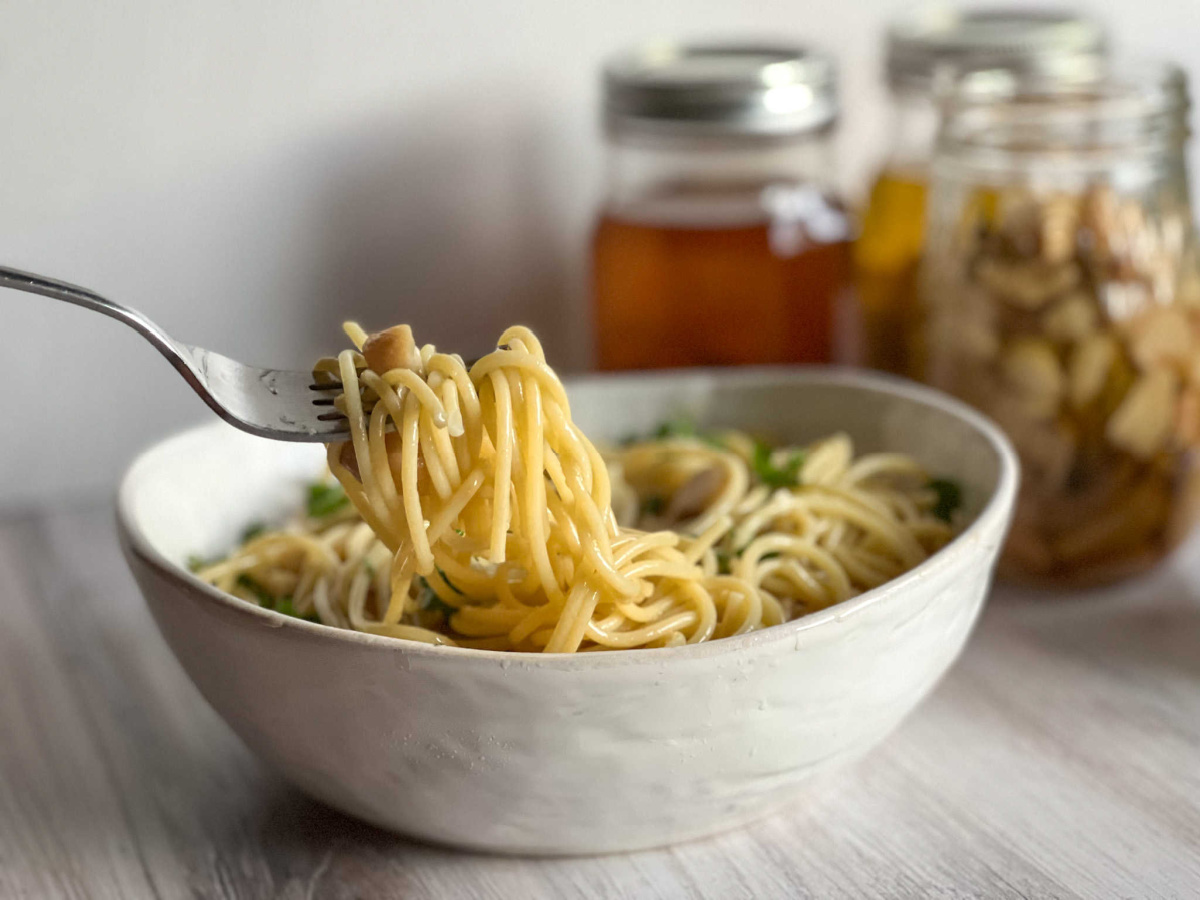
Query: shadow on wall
x=444, y=220
x=445, y=215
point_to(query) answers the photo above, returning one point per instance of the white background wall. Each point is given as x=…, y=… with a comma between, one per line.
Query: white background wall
x=251, y=172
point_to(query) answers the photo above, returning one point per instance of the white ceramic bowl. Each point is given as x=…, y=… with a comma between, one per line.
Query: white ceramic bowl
x=584, y=753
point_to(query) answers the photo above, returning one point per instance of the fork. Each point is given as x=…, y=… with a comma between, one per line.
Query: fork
x=272, y=403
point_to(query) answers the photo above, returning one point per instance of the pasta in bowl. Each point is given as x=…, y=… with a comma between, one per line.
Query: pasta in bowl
x=470, y=510
x=558, y=752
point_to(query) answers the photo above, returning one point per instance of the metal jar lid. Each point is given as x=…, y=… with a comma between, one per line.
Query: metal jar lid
x=1055, y=43
x=719, y=90
x=999, y=117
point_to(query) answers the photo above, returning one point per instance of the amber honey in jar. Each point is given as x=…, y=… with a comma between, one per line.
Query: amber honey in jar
x=923, y=49
x=720, y=240
x=1064, y=301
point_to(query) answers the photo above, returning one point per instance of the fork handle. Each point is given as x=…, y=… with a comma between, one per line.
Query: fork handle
x=81, y=296
x=178, y=355
x=270, y=403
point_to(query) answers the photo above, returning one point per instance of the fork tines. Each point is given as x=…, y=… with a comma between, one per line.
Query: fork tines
x=334, y=414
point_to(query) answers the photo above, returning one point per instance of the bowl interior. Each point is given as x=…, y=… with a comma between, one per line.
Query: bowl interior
x=193, y=494
x=879, y=413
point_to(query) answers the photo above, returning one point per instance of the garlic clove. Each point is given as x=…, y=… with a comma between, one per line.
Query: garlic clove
x=1089, y=367
x=1027, y=285
x=1142, y=423
x=1031, y=369
x=1071, y=319
x=1162, y=338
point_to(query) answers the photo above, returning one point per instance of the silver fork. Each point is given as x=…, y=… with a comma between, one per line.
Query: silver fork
x=272, y=403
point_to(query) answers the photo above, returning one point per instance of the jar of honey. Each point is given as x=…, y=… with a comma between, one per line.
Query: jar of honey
x=1063, y=299
x=720, y=240
x=923, y=51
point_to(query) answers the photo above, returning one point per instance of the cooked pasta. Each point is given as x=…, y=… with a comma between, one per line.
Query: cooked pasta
x=472, y=511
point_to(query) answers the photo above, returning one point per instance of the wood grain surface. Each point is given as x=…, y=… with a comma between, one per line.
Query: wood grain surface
x=1059, y=758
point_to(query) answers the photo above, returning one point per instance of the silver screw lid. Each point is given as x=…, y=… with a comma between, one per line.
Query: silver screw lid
x=1132, y=105
x=1053, y=43
x=719, y=90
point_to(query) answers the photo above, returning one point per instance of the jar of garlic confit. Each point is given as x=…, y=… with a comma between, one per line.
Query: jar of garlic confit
x=1063, y=299
x=922, y=48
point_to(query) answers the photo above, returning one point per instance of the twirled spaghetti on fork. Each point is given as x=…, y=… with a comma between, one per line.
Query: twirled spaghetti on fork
x=478, y=514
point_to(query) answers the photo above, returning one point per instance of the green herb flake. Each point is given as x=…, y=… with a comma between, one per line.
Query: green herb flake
x=286, y=607
x=724, y=562
x=429, y=601
x=683, y=427
x=679, y=427
x=773, y=476
x=450, y=584
x=195, y=562
x=325, y=499
x=253, y=530
x=653, y=506
x=265, y=597
x=949, y=498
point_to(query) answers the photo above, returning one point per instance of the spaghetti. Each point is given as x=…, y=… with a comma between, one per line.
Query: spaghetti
x=476, y=513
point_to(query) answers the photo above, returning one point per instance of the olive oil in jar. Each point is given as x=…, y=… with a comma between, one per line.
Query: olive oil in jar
x=717, y=282
x=887, y=257
x=719, y=241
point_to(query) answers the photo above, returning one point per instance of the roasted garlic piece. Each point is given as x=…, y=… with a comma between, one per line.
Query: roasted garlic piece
x=1163, y=338
x=1090, y=364
x=1032, y=373
x=1142, y=423
x=1070, y=319
x=1027, y=285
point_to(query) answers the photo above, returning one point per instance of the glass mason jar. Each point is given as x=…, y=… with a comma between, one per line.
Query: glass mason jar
x=1063, y=299
x=922, y=50
x=720, y=240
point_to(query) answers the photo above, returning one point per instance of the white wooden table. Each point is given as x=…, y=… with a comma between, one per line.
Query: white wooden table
x=1059, y=758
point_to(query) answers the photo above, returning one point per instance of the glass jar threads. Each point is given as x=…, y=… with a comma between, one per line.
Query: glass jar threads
x=720, y=240
x=1063, y=299
x=921, y=49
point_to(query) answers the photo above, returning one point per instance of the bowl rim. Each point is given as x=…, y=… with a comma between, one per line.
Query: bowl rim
x=995, y=512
